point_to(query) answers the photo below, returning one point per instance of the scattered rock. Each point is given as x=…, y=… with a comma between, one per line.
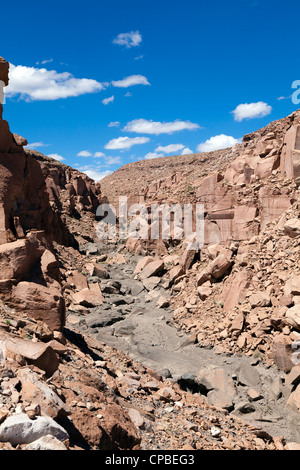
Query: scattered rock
x=46, y=443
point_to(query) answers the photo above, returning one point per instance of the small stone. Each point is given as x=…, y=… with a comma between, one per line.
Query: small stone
x=245, y=407
x=254, y=395
x=46, y=443
x=215, y=432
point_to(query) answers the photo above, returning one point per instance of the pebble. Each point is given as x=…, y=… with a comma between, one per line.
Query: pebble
x=215, y=432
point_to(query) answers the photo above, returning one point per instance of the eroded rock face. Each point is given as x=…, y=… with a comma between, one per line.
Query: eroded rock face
x=290, y=161
x=31, y=273
x=69, y=190
x=24, y=201
x=4, y=67
x=232, y=184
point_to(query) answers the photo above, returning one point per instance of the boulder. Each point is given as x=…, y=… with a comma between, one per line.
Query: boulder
x=215, y=379
x=18, y=258
x=292, y=228
x=203, y=277
x=215, y=250
x=175, y=273
x=19, y=429
x=139, y=421
x=46, y=443
x=90, y=297
x=220, y=400
x=37, y=392
x=260, y=299
x=293, y=378
x=39, y=354
x=114, y=431
x=204, y=292
x=220, y=266
x=163, y=302
x=41, y=302
x=153, y=268
x=78, y=280
x=143, y=263
x=235, y=289
x=151, y=283
x=187, y=259
x=293, y=316
x=293, y=402
x=237, y=324
x=97, y=270
x=292, y=286
x=249, y=375
x=282, y=353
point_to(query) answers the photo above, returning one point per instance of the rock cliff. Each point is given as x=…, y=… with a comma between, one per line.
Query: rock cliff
x=37, y=196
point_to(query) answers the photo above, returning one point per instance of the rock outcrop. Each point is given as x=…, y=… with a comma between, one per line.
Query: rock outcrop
x=234, y=185
x=39, y=199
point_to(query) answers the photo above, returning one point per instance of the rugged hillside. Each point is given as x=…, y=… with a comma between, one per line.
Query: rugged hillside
x=72, y=195
x=178, y=178
x=140, y=178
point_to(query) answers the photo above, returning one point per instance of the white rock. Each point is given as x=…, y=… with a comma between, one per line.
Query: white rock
x=215, y=432
x=19, y=429
x=46, y=443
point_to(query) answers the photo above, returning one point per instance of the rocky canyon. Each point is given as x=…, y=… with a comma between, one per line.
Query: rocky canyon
x=142, y=344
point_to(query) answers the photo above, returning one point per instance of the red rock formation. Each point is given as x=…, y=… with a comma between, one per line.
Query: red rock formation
x=35, y=194
x=222, y=181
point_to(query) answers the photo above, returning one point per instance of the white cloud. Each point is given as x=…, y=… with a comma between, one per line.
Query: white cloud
x=94, y=173
x=128, y=94
x=35, y=145
x=131, y=39
x=217, y=142
x=84, y=153
x=114, y=124
x=55, y=156
x=99, y=154
x=152, y=155
x=142, y=126
x=132, y=80
x=251, y=111
x=34, y=84
x=44, y=62
x=174, y=149
x=112, y=160
x=280, y=98
x=125, y=142
x=106, y=101
x=170, y=149
x=139, y=57
x=187, y=151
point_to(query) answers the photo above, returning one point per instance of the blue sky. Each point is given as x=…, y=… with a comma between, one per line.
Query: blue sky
x=102, y=84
